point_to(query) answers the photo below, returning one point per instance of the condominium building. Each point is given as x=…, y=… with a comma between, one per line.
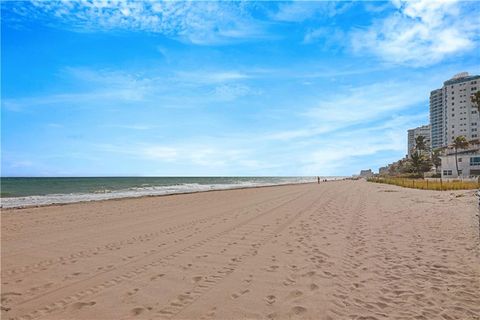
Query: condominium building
x=436, y=118
x=414, y=133
x=461, y=118
x=467, y=161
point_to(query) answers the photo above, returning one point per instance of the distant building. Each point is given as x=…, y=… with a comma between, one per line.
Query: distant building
x=366, y=173
x=468, y=163
x=436, y=118
x=416, y=132
x=383, y=170
x=461, y=117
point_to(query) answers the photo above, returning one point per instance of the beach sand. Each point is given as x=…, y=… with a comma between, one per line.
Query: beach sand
x=335, y=250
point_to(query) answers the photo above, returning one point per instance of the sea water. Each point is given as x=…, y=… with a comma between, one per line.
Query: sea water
x=22, y=192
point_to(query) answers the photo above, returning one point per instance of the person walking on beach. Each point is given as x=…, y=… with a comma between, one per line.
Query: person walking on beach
x=318, y=180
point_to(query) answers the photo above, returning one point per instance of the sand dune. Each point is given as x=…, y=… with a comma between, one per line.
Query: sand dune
x=338, y=250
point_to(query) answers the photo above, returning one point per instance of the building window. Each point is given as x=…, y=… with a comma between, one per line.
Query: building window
x=475, y=161
x=459, y=159
x=447, y=172
x=459, y=172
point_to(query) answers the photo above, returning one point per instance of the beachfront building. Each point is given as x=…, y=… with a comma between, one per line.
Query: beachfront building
x=436, y=118
x=460, y=116
x=383, y=170
x=414, y=133
x=468, y=162
x=366, y=173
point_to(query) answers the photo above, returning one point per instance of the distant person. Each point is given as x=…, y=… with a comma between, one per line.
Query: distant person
x=318, y=180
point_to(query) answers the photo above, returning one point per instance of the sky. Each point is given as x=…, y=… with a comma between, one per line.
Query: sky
x=96, y=88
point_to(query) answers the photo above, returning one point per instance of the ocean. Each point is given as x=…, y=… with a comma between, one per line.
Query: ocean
x=22, y=192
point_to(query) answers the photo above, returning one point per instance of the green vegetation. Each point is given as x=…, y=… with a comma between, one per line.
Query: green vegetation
x=427, y=184
x=460, y=142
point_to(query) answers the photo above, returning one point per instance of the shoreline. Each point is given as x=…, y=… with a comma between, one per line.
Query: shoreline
x=154, y=195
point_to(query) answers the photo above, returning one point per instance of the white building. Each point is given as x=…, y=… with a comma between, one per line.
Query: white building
x=366, y=173
x=460, y=116
x=414, y=133
x=468, y=163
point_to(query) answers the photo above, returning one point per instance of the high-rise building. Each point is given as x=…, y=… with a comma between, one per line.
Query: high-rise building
x=414, y=133
x=460, y=117
x=436, y=118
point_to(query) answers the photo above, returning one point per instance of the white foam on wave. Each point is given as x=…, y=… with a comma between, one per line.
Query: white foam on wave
x=28, y=201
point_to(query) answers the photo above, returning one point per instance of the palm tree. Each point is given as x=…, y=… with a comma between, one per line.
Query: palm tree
x=420, y=163
x=420, y=143
x=460, y=142
x=476, y=100
x=437, y=162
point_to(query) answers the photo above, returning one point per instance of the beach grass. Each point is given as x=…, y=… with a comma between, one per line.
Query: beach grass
x=427, y=184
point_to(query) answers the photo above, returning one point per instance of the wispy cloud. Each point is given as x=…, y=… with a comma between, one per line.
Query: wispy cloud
x=298, y=11
x=358, y=104
x=105, y=87
x=195, y=22
x=230, y=92
x=421, y=33
x=203, y=156
x=355, y=105
x=205, y=77
x=94, y=86
x=139, y=127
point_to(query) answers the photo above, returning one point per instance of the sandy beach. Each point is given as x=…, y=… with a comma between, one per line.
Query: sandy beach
x=335, y=250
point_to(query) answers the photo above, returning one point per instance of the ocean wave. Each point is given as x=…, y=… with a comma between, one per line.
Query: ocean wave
x=135, y=192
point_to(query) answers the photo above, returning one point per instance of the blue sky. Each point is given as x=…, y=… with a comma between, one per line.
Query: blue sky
x=222, y=88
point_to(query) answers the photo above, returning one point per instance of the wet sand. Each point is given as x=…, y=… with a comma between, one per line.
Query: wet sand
x=337, y=250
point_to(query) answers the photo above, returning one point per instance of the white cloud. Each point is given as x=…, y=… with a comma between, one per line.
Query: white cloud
x=139, y=127
x=298, y=11
x=191, y=21
x=205, y=77
x=203, y=156
x=230, y=92
x=366, y=103
x=421, y=32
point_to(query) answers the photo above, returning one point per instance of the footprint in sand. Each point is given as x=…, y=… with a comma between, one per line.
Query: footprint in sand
x=270, y=299
x=272, y=268
x=288, y=282
x=131, y=293
x=295, y=294
x=137, y=311
x=210, y=314
x=298, y=310
x=309, y=274
x=197, y=279
x=157, y=276
x=313, y=287
x=184, y=296
x=237, y=295
x=80, y=305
